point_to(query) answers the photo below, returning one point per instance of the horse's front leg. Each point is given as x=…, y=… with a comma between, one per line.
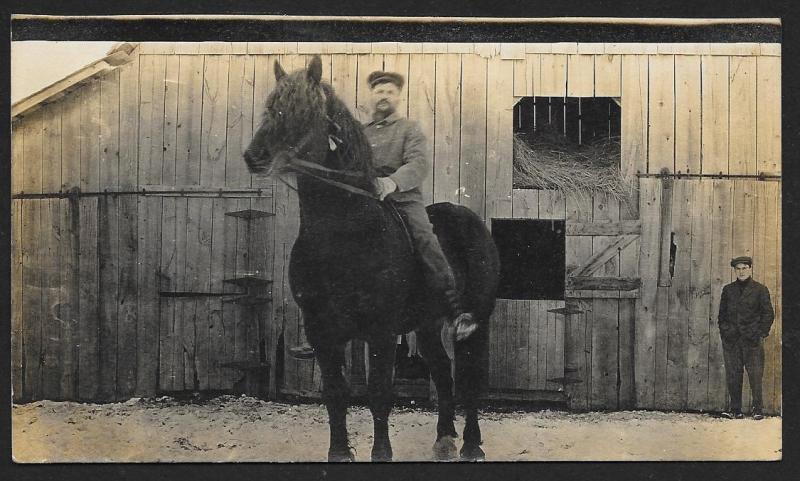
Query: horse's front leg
x=336, y=396
x=381, y=396
x=429, y=339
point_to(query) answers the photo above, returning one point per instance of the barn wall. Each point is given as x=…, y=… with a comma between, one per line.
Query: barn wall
x=181, y=114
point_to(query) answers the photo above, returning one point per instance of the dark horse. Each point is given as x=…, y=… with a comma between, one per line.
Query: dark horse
x=353, y=271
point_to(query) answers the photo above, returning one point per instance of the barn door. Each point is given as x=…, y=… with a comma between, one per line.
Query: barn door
x=602, y=283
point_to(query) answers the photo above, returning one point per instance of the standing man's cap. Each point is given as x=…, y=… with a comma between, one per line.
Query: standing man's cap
x=742, y=260
x=379, y=77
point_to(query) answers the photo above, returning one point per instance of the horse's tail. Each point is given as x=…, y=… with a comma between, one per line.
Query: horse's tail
x=472, y=253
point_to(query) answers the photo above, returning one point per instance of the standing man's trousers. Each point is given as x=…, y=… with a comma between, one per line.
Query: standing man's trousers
x=739, y=356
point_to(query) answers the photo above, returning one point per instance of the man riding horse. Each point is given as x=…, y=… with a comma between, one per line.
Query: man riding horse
x=400, y=157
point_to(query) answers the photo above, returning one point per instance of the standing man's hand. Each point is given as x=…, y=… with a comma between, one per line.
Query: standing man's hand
x=385, y=187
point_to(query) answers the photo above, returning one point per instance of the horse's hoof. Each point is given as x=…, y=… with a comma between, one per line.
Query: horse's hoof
x=382, y=455
x=472, y=452
x=341, y=456
x=444, y=449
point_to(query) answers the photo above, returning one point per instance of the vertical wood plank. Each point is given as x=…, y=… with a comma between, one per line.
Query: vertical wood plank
x=533, y=65
x=580, y=75
x=607, y=75
x=649, y=211
x=32, y=311
x=108, y=296
x=217, y=346
x=553, y=76
x=762, y=252
x=521, y=82
x=151, y=118
x=678, y=321
x=188, y=127
x=446, y=187
x=239, y=123
x=49, y=243
x=17, y=287
x=499, y=139
x=525, y=203
x=225, y=244
x=129, y=93
x=149, y=212
x=700, y=293
x=70, y=309
x=552, y=204
x=774, y=240
x=88, y=374
x=661, y=108
x=605, y=317
x=635, y=91
x=556, y=356
x=17, y=164
x=168, y=270
x=421, y=88
x=742, y=155
x=215, y=108
x=715, y=114
x=399, y=63
x=541, y=347
x=109, y=130
x=721, y=253
x=171, y=91
x=51, y=294
x=605, y=313
x=688, y=104
x=70, y=140
x=90, y=137
x=472, y=181
x=367, y=63
x=182, y=326
x=768, y=114
x=577, y=250
x=532, y=375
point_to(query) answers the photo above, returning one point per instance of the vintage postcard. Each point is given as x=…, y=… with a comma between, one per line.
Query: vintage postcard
x=221, y=250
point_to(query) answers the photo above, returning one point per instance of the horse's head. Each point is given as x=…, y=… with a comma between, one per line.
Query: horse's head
x=305, y=120
x=295, y=121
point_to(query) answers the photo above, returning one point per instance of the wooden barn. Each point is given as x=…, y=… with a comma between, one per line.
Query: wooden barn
x=146, y=260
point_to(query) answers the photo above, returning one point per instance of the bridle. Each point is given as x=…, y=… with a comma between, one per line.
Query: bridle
x=318, y=172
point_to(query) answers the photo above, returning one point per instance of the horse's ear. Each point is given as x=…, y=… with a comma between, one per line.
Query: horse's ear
x=279, y=72
x=315, y=69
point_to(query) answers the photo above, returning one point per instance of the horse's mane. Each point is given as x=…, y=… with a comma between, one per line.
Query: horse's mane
x=357, y=150
x=300, y=100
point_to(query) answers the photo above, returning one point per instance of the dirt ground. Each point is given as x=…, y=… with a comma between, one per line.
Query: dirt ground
x=229, y=428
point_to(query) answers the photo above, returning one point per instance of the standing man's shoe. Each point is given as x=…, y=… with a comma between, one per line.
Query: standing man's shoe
x=732, y=415
x=757, y=415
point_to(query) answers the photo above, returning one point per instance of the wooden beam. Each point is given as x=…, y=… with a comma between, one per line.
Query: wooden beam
x=600, y=258
x=116, y=58
x=603, y=283
x=586, y=294
x=604, y=228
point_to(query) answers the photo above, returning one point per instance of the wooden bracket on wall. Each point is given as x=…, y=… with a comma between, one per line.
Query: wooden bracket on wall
x=599, y=259
x=665, y=240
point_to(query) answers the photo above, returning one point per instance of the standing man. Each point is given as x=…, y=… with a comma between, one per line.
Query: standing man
x=745, y=318
x=400, y=157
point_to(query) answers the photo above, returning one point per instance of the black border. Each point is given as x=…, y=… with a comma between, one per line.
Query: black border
x=785, y=9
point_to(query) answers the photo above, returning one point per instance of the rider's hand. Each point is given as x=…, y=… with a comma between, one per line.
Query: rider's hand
x=385, y=187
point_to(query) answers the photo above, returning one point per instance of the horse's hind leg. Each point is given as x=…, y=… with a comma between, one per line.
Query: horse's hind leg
x=439, y=365
x=381, y=397
x=336, y=396
x=470, y=379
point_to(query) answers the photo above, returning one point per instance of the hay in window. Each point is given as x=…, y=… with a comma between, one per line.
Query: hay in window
x=549, y=160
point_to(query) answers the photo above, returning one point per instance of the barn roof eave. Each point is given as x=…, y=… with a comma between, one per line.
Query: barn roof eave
x=119, y=55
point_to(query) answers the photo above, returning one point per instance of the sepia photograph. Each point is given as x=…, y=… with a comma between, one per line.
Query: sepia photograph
x=413, y=251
